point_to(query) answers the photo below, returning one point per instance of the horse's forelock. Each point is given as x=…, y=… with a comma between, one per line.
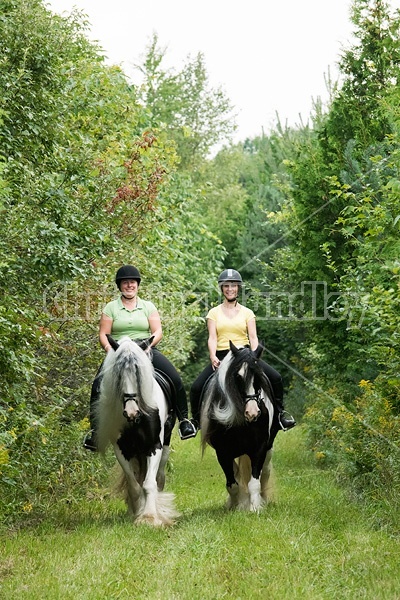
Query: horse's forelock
x=131, y=361
x=237, y=372
x=243, y=370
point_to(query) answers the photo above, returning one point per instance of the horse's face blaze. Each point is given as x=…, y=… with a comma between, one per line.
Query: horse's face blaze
x=252, y=411
x=243, y=370
x=246, y=387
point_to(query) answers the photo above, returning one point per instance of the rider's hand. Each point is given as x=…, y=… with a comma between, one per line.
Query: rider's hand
x=215, y=362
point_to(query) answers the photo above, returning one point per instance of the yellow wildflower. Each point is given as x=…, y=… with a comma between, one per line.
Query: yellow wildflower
x=364, y=383
x=84, y=425
x=4, y=455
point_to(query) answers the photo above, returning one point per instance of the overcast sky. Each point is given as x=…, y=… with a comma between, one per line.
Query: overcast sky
x=268, y=56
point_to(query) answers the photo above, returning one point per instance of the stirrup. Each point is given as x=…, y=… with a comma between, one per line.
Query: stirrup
x=290, y=423
x=191, y=434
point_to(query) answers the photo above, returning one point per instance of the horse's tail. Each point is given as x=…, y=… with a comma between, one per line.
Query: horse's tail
x=268, y=489
x=205, y=434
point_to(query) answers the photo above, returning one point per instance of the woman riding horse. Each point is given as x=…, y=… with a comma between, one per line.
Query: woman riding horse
x=230, y=321
x=139, y=319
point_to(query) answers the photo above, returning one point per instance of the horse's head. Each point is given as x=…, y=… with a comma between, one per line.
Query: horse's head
x=248, y=375
x=143, y=344
x=133, y=375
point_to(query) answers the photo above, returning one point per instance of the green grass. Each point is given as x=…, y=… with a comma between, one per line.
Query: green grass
x=312, y=543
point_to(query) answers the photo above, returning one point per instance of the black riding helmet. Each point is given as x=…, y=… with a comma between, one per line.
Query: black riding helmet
x=230, y=276
x=127, y=272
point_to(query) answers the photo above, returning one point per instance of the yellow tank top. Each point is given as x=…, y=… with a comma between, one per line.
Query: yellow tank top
x=234, y=329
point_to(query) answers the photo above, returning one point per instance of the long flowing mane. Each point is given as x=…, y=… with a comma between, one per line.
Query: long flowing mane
x=224, y=396
x=239, y=420
x=133, y=415
x=131, y=362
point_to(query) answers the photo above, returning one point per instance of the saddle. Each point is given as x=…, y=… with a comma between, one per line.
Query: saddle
x=167, y=387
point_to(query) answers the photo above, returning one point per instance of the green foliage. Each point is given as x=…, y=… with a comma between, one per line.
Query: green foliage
x=370, y=69
x=223, y=200
x=95, y=173
x=326, y=273
x=361, y=441
x=358, y=247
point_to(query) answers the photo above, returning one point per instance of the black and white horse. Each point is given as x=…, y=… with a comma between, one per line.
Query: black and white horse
x=133, y=416
x=239, y=420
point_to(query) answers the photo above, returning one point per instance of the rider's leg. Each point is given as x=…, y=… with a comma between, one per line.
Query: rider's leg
x=286, y=420
x=90, y=441
x=161, y=363
x=195, y=394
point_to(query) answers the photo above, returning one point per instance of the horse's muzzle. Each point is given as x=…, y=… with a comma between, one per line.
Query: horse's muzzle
x=133, y=418
x=131, y=410
x=252, y=408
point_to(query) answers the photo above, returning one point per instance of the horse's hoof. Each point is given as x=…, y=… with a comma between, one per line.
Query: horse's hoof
x=151, y=520
x=256, y=507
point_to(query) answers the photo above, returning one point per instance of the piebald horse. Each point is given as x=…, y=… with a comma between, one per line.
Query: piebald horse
x=133, y=416
x=240, y=421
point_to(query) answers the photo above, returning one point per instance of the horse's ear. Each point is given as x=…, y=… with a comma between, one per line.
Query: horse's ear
x=114, y=345
x=233, y=348
x=258, y=351
x=144, y=344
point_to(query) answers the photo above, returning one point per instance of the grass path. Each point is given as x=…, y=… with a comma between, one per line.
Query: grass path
x=312, y=543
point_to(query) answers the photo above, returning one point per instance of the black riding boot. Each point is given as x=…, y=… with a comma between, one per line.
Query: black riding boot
x=187, y=429
x=286, y=421
x=195, y=409
x=90, y=441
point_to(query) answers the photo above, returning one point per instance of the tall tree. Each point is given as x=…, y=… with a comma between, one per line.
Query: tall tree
x=195, y=115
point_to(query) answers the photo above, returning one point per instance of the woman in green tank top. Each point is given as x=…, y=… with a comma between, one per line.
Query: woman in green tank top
x=139, y=319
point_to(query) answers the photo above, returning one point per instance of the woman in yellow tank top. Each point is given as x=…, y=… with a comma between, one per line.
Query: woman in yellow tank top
x=232, y=321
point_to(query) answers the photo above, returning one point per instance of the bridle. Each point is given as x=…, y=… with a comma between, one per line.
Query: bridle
x=256, y=397
x=128, y=398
